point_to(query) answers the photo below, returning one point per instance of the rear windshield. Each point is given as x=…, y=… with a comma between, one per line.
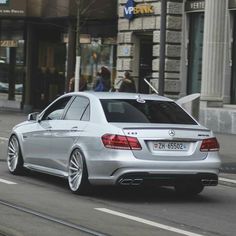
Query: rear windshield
x=149, y=111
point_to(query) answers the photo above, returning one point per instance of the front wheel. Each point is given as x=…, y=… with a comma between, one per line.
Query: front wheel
x=77, y=173
x=14, y=156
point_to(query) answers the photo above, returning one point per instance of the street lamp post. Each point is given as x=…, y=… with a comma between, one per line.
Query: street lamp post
x=78, y=56
x=161, y=81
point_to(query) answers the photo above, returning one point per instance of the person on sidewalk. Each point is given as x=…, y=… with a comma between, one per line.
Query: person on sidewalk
x=103, y=80
x=82, y=84
x=127, y=84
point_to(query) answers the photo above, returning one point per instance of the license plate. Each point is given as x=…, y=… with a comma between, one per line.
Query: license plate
x=170, y=146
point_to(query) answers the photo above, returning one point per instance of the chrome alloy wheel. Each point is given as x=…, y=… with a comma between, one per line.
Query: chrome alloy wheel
x=13, y=154
x=76, y=170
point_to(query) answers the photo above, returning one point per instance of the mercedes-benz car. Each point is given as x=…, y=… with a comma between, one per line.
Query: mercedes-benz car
x=104, y=138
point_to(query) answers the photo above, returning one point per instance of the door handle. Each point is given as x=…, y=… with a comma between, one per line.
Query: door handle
x=49, y=128
x=74, y=129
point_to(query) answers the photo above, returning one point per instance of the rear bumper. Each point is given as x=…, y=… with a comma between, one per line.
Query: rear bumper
x=162, y=177
x=205, y=179
x=164, y=173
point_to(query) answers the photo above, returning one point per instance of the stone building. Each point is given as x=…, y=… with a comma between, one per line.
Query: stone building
x=200, y=53
x=138, y=44
x=208, y=61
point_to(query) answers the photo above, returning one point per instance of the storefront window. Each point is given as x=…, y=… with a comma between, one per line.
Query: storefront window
x=94, y=56
x=196, y=23
x=11, y=60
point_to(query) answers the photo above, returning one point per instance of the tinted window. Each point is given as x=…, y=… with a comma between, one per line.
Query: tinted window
x=78, y=110
x=55, y=111
x=150, y=111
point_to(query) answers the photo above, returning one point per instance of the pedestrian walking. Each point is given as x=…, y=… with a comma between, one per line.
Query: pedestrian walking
x=103, y=80
x=82, y=84
x=72, y=84
x=127, y=84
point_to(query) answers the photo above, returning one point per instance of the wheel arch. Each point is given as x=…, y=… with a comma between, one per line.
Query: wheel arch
x=19, y=141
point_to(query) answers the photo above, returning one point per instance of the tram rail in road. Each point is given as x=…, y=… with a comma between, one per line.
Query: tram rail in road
x=53, y=219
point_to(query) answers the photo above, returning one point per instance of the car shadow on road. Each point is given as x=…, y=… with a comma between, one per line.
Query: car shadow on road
x=125, y=194
x=150, y=194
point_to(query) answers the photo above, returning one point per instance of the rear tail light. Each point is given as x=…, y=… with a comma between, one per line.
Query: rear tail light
x=209, y=144
x=120, y=142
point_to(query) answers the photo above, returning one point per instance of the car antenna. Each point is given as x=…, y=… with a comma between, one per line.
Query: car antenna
x=151, y=86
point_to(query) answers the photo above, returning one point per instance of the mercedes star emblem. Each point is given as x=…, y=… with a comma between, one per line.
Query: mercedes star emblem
x=171, y=132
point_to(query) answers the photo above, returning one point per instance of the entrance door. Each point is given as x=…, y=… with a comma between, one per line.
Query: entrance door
x=50, y=79
x=233, y=78
x=195, y=52
x=145, y=63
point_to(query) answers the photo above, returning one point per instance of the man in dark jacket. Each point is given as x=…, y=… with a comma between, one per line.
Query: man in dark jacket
x=127, y=84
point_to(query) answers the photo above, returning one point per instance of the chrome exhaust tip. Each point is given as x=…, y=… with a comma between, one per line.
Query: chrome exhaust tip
x=209, y=182
x=131, y=182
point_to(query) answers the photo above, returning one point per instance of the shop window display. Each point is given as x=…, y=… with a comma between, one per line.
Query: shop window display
x=95, y=56
x=12, y=72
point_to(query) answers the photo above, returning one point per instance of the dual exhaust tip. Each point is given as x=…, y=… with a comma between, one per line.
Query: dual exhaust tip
x=134, y=182
x=209, y=182
x=139, y=181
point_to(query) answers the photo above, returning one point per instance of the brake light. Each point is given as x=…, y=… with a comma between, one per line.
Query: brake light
x=209, y=145
x=120, y=142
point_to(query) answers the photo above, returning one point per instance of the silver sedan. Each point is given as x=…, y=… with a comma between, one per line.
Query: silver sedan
x=96, y=138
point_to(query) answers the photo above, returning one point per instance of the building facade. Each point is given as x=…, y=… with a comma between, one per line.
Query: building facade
x=208, y=61
x=199, y=53
x=38, y=42
x=139, y=43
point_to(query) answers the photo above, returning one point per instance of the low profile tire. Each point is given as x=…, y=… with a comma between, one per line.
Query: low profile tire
x=78, y=174
x=14, y=157
x=189, y=189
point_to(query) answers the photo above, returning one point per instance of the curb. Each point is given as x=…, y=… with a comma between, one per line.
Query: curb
x=227, y=182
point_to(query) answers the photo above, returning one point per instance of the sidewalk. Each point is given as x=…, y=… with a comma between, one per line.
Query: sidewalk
x=227, y=142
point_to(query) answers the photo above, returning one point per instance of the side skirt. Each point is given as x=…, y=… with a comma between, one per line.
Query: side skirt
x=46, y=170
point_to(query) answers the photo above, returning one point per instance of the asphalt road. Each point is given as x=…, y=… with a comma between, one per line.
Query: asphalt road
x=36, y=204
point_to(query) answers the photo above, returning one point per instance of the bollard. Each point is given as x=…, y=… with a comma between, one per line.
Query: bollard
x=191, y=104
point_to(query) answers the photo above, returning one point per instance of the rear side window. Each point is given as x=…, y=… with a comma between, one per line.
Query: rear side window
x=150, y=111
x=78, y=110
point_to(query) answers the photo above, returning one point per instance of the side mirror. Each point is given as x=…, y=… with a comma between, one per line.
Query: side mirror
x=33, y=116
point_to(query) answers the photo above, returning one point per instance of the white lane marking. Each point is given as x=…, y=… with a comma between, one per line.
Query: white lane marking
x=6, y=181
x=228, y=180
x=148, y=222
x=3, y=138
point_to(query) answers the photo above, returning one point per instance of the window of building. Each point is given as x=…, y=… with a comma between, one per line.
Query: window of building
x=96, y=55
x=196, y=27
x=11, y=60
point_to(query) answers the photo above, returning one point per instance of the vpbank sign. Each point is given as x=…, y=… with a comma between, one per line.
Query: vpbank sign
x=132, y=9
x=4, y=2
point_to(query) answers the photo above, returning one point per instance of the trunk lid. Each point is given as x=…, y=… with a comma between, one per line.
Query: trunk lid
x=167, y=142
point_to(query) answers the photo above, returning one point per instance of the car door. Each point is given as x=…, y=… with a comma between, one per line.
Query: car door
x=38, y=140
x=65, y=132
